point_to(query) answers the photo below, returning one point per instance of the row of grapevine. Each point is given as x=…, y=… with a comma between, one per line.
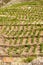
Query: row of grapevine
x=22, y=50
x=20, y=15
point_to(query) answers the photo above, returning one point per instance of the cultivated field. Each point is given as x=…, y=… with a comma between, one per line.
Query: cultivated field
x=21, y=30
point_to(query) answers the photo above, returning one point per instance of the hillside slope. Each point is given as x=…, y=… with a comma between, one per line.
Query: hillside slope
x=21, y=31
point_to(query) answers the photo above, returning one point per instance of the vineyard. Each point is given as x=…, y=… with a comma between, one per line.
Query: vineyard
x=21, y=30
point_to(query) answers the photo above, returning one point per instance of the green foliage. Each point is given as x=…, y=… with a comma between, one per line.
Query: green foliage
x=41, y=47
x=29, y=59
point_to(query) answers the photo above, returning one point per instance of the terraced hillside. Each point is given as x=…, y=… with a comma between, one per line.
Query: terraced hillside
x=21, y=30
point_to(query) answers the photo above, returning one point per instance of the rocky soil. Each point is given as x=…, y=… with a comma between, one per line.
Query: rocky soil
x=37, y=61
x=8, y=2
